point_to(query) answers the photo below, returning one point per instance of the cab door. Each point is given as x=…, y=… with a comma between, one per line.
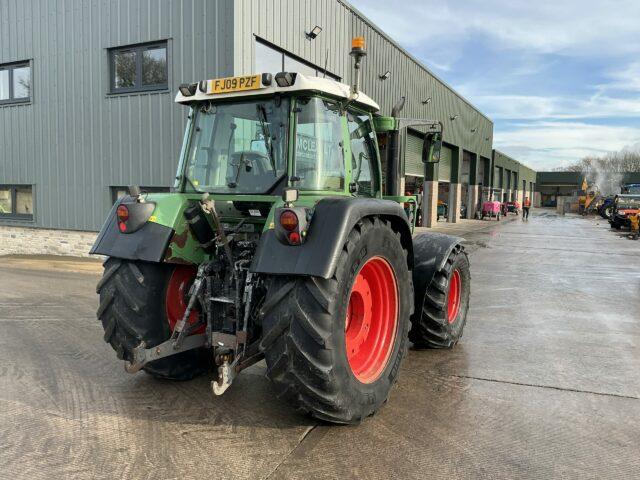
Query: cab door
x=365, y=176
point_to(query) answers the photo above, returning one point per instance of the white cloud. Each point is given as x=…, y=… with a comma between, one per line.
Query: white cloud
x=545, y=145
x=532, y=107
x=625, y=79
x=571, y=27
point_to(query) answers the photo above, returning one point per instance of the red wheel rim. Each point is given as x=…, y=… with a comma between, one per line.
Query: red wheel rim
x=453, y=302
x=176, y=297
x=371, y=319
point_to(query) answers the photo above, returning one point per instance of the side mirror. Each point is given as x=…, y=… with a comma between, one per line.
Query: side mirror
x=431, y=148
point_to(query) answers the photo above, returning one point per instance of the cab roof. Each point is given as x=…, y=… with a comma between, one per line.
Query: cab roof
x=302, y=83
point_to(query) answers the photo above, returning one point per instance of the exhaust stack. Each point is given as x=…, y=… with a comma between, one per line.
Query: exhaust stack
x=393, y=173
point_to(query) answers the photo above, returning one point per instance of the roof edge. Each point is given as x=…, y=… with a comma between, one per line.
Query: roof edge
x=366, y=19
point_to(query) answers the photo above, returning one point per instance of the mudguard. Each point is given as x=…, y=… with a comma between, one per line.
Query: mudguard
x=333, y=219
x=147, y=243
x=430, y=252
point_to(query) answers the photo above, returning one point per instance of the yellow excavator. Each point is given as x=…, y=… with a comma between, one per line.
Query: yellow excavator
x=589, y=197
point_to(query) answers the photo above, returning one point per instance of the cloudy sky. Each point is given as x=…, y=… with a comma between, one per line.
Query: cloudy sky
x=560, y=79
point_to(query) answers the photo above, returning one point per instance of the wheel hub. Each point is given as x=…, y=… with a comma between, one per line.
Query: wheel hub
x=453, y=298
x=371, y=319
x=176, y=297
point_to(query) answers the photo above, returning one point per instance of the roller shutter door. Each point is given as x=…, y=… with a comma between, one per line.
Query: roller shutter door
x=444, y=167
x=413, y=157
x=481, y=167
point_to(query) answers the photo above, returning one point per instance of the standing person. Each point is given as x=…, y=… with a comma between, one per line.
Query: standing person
x=525, y=208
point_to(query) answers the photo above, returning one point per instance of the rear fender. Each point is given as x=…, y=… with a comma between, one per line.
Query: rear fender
x=147, y=242
x=163, y=237
x=332, y=221
x=430, y=252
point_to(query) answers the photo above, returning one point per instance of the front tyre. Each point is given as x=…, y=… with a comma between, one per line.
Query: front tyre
x=141, y=301
x=441, y=320
x=333, y=347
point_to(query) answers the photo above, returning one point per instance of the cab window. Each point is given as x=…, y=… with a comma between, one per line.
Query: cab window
x=319, y=157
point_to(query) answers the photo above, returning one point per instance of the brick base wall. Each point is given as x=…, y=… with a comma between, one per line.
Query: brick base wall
x=41, y=241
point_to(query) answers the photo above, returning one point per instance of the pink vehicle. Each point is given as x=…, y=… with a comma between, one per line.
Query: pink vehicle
x=491, y=209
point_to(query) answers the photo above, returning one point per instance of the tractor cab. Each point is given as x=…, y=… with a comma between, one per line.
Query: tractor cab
x=290, y=131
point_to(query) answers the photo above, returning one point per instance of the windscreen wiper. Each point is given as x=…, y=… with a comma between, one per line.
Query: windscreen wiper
x=262, y=116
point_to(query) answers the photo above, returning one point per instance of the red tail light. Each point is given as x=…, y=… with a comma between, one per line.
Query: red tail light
x=289, y=221
x=294, y=238
x=122, y=212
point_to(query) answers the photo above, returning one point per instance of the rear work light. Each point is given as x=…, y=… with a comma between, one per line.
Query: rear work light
x=188, y=89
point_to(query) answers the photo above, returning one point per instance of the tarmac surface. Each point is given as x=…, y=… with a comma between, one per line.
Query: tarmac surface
x=544, y=384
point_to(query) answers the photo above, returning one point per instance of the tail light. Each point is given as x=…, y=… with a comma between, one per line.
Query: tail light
x=294, y=238
x=292, y=224
x=123, y=215
x=289, y=220
x=131, y=216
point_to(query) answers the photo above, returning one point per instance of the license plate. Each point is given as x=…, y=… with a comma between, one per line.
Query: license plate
x=234, y=84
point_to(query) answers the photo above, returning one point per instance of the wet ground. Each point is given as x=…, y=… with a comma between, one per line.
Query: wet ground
x=544, y=384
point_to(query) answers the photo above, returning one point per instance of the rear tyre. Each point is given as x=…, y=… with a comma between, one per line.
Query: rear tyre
x=333, y=347
x=441, y=320
x=138, y=303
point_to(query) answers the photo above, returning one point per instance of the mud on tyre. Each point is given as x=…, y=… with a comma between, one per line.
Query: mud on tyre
x=139, y=302
x=333, y=347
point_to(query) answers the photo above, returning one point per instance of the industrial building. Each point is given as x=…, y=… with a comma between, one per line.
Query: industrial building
x=87, y=89
x=551, y=185
x=511, y=180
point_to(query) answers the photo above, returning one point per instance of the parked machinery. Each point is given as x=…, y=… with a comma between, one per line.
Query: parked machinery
x=624, y=207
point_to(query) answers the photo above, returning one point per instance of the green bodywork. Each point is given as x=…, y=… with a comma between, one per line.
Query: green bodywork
x=170, y=207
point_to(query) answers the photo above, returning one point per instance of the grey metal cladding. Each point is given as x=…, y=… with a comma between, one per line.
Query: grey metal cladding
x=74, y=140
x=506, y=162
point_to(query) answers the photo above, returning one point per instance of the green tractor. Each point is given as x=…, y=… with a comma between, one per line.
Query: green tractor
x=278, y=243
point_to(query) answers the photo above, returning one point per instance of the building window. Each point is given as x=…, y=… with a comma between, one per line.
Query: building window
x=16, y=202
x=118, y=192
x=139, y=68
x=271, y=59
x=15, y=82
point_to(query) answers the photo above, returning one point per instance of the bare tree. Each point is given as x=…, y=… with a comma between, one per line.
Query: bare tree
x=616, y=162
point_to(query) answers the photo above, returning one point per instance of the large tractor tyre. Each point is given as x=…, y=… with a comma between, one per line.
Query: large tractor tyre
x=440, y=321
x=333, y=347
x=142, y=301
